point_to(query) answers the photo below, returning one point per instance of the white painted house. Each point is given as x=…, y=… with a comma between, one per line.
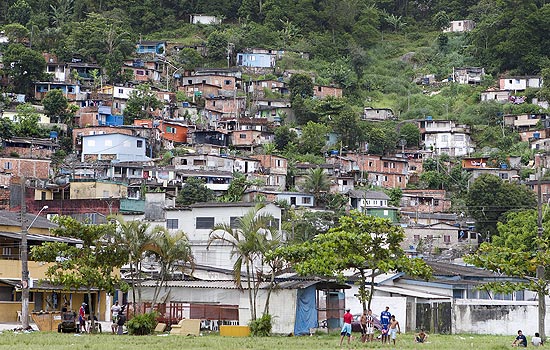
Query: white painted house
x=446, y=137
x=113, y=147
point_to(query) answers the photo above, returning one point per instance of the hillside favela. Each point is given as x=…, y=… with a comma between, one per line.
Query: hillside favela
x=274, y=174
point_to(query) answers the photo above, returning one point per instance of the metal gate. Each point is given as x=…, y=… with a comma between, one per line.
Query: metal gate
x=434, y=317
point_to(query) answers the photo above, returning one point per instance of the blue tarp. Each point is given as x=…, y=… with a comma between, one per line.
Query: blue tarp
x=306, y=311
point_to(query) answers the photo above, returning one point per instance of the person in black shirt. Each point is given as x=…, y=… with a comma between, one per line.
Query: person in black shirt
x=520, y=340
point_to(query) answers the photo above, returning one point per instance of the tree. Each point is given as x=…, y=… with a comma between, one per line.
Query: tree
x=317, y=183
x=313, y=137
x=300, y=85
x=360, y=242
x=171, y=251
x=217, y=45
x=441, y=20
x=349, y=129
x=134, y=238
x=489, y=197
x=23, y=66
x=16, y=32
x=189, y=58
x=194, y=191
x=283, y=136
x=55, y=105
x=142, y=102
x=237, y=188
x=27, y=122
x=91, y=265
x=520, y=253
x=19, y=12
x=250, y=241
x=411, y=134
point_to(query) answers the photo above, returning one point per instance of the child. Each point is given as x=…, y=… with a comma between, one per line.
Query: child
x=394, y=328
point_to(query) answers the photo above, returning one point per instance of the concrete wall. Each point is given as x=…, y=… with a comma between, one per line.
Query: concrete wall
x=398, y=306
x=496, y=317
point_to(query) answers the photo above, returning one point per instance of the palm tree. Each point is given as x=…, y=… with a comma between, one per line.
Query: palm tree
x=316, y=183
x=136, y=238
x=170, y=250
x=249, y=241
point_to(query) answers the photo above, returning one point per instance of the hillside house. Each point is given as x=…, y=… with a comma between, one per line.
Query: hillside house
x=203, y=162
x=151, y=47
x=446, y=137
x=72, y=91
x=204, y=19
x=143, y=71
x=463, y=25
x=425, y=201
x=258, y=87
x=524, y=122
x=28, y=147
x=468, y=75
x=323, y=91
x=113, y=147
x=223, y=82
x=382, y=171
x=495, y=95
x=373, y=203
x=255, y=60
x=376, y=114
x=209, y=137
x=273, y=170
x=520, y=83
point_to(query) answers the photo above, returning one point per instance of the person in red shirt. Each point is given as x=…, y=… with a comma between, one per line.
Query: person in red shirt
x=82, y=317
x=346, y=328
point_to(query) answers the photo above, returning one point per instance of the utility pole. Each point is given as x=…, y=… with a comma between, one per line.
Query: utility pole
x=24, y=261
x=540, y=268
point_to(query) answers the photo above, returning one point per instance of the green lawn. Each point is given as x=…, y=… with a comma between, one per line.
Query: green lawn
x=54, y=341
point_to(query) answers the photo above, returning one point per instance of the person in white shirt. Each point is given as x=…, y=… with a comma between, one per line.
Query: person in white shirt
x=536, y=340
x=115, y=310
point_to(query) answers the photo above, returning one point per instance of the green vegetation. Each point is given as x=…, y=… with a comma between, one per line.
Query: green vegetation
x=54, y=341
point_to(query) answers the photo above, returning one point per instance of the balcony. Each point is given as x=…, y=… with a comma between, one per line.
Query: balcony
x=132, y=205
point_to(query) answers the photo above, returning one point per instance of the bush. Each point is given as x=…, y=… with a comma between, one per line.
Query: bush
x=143, y=324
x=261, y=327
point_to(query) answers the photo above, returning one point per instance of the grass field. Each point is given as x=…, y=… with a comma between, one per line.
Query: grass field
x=54, y=341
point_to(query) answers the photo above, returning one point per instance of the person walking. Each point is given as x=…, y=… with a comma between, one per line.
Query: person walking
x=394, y=329
x=346, y=328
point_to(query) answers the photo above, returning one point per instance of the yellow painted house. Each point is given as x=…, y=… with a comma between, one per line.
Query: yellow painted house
x=43, y=296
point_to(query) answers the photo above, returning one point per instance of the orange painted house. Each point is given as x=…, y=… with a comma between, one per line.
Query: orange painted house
x=171, y=130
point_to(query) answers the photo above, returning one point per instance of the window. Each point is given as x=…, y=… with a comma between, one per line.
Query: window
x=503, y=176
x=447, y=239
x=6, y=251
x=227, y=82
x=429, y=237
x=444, y=138
x=43, y=195
x=234, y=222
x=385, y=164
x=306, y=200
x=399, y=179
x=242, y=136
x=370, y=163
x=172, y=224
x=416, y=238
x=139, y=143
x=458, y=293
x=319, y=88
x=345, y=182
x=108, y=143
x=91, y=143
x=459, y=137
x=278, y=162
x=120, y=91
x=105, y=194
x=140, y=72
x=51, y=69
x=204, y=223
x=8, y=165
x=436, y=202
x=189, y=81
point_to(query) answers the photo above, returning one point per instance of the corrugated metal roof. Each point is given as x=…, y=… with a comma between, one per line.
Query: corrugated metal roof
x=40, y=238
x=292, y=284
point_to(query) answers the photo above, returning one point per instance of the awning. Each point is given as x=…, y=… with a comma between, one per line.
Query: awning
x=40, y=238
x=410, y=293
x=43, y=286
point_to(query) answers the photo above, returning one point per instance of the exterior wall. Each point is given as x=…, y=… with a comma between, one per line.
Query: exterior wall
x=464, y=25
x=398, y=306
x=32, y=168
x=321, y=92
x=97, y=190
x=174, y=132
x=377, y=114
x=204, y=19
x=203, y=162
x=384, y=213
x=223, y=82
x=218, y=255
x=500, y=96
x=28, y=152
x=98, y=130
x=250, y=138
x=425, y=201
x=495, y=317
x=255, y=60
x=113, y=147
x=225, y=105
x=297, y=199
x=453, y=144
x=204, y=89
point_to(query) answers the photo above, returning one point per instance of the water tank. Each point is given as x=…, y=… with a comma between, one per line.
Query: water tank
x=429, y=117
x=503, y=166
x=53, y=134
x=334, y=152
x=536, y=135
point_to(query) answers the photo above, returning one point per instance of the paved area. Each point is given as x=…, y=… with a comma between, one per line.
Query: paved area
x=106, y=326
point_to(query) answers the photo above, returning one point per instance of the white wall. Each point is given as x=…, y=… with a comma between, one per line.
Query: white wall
x=398, y=305
x=496, y=317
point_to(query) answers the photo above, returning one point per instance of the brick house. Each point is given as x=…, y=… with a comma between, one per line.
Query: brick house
x=31, y=168
x=323, y=91
x=425, y=201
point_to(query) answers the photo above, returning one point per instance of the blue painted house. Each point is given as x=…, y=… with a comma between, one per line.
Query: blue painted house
x=106, y=118
x=155, y=47
x=256, y=60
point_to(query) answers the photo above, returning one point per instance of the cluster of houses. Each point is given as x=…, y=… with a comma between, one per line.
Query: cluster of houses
x=222, y=128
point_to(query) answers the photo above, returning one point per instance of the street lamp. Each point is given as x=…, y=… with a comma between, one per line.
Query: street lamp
x=25, y=270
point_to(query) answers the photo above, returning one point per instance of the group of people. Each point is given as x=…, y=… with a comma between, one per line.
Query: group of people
x=521, y=340
x=118, y=317
x=390, y=326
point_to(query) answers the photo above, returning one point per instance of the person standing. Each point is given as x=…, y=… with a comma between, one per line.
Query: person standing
x=385, y=317
x=363, y=324
x=394, y=329
x=370, y=326
x=346, y=328
x=520, y=340
x=115, y=310
x=82, y=317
